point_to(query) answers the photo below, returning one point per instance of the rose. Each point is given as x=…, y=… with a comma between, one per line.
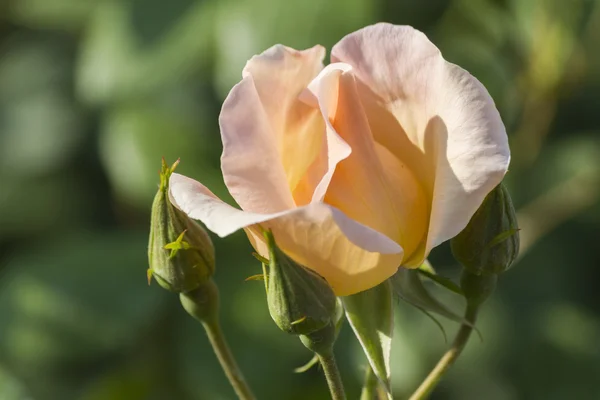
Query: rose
x=359, y=167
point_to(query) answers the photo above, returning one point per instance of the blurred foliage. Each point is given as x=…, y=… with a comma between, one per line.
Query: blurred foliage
x=94, y=92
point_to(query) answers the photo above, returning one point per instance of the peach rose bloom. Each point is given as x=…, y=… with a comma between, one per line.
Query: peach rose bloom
x=359, y=167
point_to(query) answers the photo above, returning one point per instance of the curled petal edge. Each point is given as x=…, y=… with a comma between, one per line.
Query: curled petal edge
x=198, y=202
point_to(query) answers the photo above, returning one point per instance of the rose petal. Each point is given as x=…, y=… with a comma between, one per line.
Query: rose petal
x=250, y=162
x=434, y=116
x=263, y=124
x=369, y=185
x=320, y=92
x=351, y=256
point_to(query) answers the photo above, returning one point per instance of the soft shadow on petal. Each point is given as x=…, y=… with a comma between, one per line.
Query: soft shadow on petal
x=280, y=74
x=370, y=185
x=322, y=93
x=250, y=162
x=434, y=116
x=351, y=256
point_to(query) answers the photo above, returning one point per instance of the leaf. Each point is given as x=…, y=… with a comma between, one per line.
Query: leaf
x=372, y=389
x=370, y=314
x=408, y=285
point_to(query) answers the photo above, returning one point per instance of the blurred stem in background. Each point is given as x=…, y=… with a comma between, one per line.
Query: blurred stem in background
x=563, y=201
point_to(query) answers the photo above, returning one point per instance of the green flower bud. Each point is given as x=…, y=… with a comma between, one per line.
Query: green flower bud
x=180, y=253
x=300, y=301
x=490, y=242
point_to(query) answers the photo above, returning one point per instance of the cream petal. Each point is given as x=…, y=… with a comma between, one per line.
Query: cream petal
x=280, y=74
x=369, y=185
x=434, y=116
x=351, y=256
x=322, y=93
x=250, y=162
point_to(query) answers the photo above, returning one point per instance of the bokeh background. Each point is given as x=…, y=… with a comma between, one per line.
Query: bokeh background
x=94, y=92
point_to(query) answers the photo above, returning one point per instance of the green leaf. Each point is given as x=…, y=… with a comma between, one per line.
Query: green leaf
x=370, y=314
x=408, y=285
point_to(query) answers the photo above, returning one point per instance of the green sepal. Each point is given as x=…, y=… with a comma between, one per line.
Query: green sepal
x=260, y=258
x=442, y=281
x=409, y=287
x=149, y=274
x=371, y=316
x=435, y=321
x=257, y=277
x=501, y=237
x=178, y=244
x=311, y=363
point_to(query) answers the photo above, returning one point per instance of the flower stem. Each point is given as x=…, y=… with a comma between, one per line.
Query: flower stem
x=332, y=374
x=230, y=367
x=371, y=389
x=203, y=305
x=462, y=337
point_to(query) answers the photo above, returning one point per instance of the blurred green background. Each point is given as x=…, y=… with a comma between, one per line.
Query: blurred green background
x=94, y=92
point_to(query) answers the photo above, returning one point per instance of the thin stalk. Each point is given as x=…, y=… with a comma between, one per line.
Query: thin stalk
x=462, y=337
x=230, y=367
x=203, y=304
x=332, y=374
x=371, y=389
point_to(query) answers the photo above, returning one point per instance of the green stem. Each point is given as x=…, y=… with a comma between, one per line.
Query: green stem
x=203, y=304
x=462, y=337
x=371, y=388
x=230, y=367
x=332, y=374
